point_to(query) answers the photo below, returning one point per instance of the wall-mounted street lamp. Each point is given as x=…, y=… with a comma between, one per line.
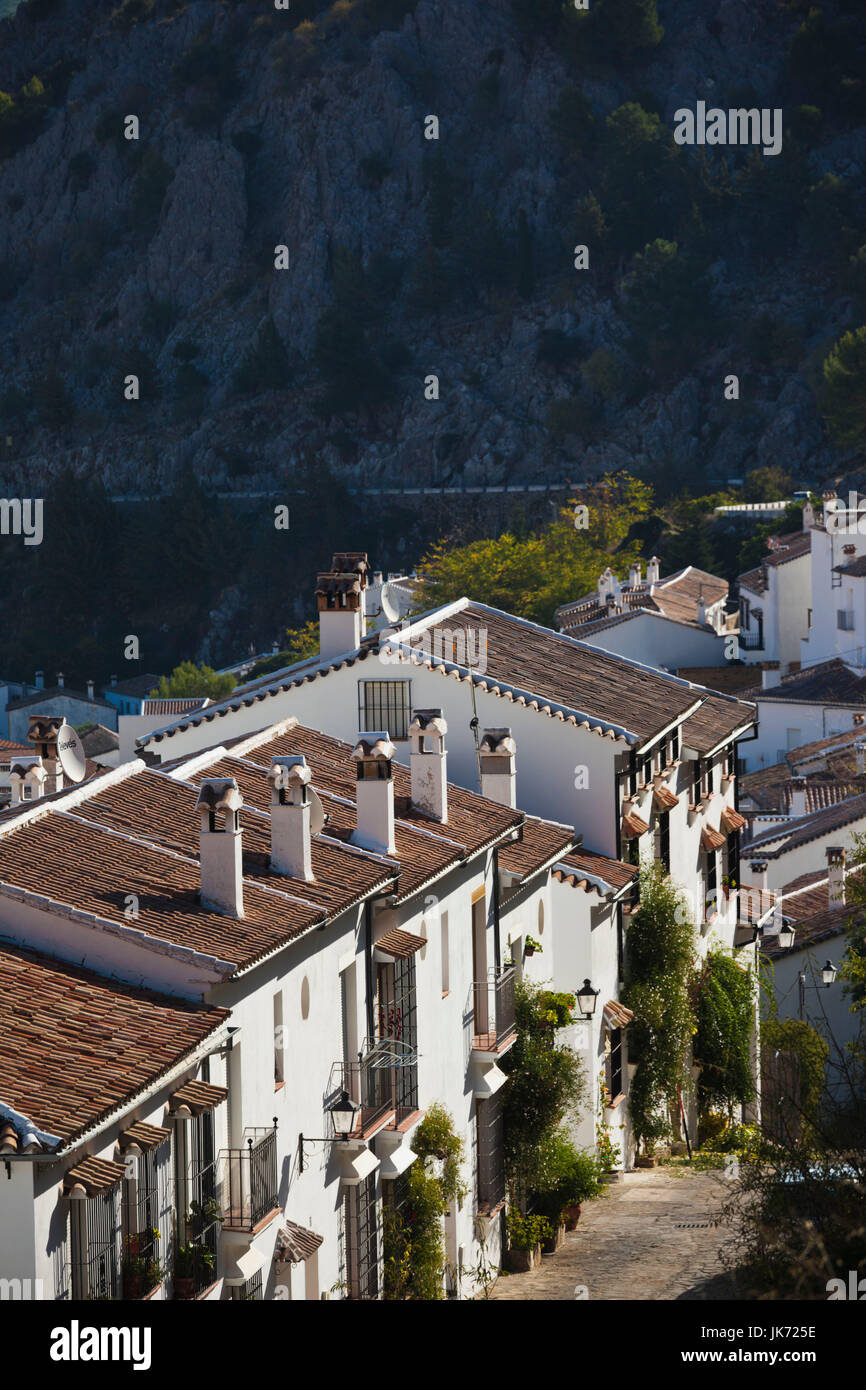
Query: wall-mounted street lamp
x=587, y=998
x=786, y=936
x=342, y=1112
x=828, y=975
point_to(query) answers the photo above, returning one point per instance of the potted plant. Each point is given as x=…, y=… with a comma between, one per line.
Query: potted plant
x=141, y=1272
x=531, y=946
x=185, y=1265
x=525, y=1234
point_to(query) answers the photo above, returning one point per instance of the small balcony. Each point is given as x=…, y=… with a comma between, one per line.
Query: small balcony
x=751, y=641
x=384, y=1081
x=248, y=1180
x=490, y=1013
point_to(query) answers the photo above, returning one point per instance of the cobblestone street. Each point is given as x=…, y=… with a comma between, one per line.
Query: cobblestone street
x=654, y=1237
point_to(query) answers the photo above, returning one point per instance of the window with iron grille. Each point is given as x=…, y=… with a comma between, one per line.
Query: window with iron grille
x=663, y=839
x=362, y=1246
x=398, y=1019
x=250, y=1291
x=141, y=1206
x=712, y=877
x=613, y=1060
x=632, y=776
x=732, y=855
x=674, y=746
x=490, y=1130
x=200, y=1189
x=384, y=705
x=697, y=783
x=95, y=1238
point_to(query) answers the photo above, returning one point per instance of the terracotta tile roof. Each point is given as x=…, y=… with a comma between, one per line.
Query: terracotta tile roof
x=633, y=825
x=731, y=679
x=154, y=806
x=616, y=1015
x=140, y=686
x=717, y=718
x=711, y=839
x=754, y=580
x=79, y=864
x=855, y=568
x=97, y=740
x=159, y=707
x=197, y=1096
x=145, y=1136
x=806, y=903
x=830, y=682
x=296, y=1243
x=731, y=820
x=95, y=1175
x=64, y=692
x=9, y=749
x=74, y=1045
x=663, y=798
x=674, y=597
x=580, y=862
x=401, y=944
x=542, y=842
x=783, y=838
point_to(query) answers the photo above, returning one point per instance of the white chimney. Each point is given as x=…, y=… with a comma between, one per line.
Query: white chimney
x=758, y=871
x=702, y=610
x=43, y=733
x=220, y=854
x=40, y=680
x=808, y=516
x=498, y=766
x=60, y=680
x=634, y=575
x=427, y=762
x=374, y=792
x=798, y=796
x=90, y=691
x=27, y=778
x=836, y=875
x=290, y=808
x=114, y=680
x=652, y=571
x=769, y=677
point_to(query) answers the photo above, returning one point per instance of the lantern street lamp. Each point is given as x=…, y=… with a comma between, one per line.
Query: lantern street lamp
x=587, y=997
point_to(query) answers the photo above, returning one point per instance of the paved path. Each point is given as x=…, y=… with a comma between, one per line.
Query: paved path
x=653, y=1237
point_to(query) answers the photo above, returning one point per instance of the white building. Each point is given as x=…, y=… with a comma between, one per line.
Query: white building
x=805, y=707
x=837, y=626
x=153, y=715
x=775, y=601
x=299, y=917
x=671, y=622
x=636, y=760
x=792, y=846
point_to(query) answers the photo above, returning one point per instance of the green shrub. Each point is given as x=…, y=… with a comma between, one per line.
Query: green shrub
x=843, y=389
x=724, y=1009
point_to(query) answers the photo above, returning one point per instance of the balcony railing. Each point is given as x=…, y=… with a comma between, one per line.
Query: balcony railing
x=493, y=1012
x=382, y=1081
x=248, y=1180
x=752, y=641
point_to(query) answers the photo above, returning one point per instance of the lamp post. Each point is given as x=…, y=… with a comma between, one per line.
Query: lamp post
x=828, y=975
x=342, y=1112
x=587, y=998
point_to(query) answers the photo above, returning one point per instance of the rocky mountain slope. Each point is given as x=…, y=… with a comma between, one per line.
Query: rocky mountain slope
x=305, y=129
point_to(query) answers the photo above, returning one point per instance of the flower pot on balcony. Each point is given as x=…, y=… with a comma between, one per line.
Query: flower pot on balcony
x=133, y=1286
x=522, y=1261
x=572, y=1216
x=554, y=1240
x=184, y=1288
x=611, y=1176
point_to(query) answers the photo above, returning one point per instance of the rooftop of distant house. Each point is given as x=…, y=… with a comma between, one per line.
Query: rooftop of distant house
x=137, y=687
x=830, y=682
x=676, y=597
x=781, y=551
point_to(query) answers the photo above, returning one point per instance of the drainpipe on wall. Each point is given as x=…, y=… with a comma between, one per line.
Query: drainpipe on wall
x=496, y=951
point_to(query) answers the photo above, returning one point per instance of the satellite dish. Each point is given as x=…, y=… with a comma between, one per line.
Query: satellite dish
x=317, y=812
x=389, y=606
x=70, y=753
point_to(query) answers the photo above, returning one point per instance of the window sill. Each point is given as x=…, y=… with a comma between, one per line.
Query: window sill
x=445, y=993
x=279, y=1086
x=616, y=1102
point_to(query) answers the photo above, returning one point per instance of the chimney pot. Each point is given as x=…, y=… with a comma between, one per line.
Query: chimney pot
x=498, y=771
x=374, y=792
x=114, y=680
x=798, y=797
x=27, y=778
x=91, y=695
x=291, y=850
x=220, y=854
x=758, y=869
x=60, y=679
x=40, y=680
x=836, y=856
x=428, y=763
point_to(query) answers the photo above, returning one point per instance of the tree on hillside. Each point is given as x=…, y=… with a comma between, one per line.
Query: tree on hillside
x=190, y=681
x=843, y=394
x=532, y=575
